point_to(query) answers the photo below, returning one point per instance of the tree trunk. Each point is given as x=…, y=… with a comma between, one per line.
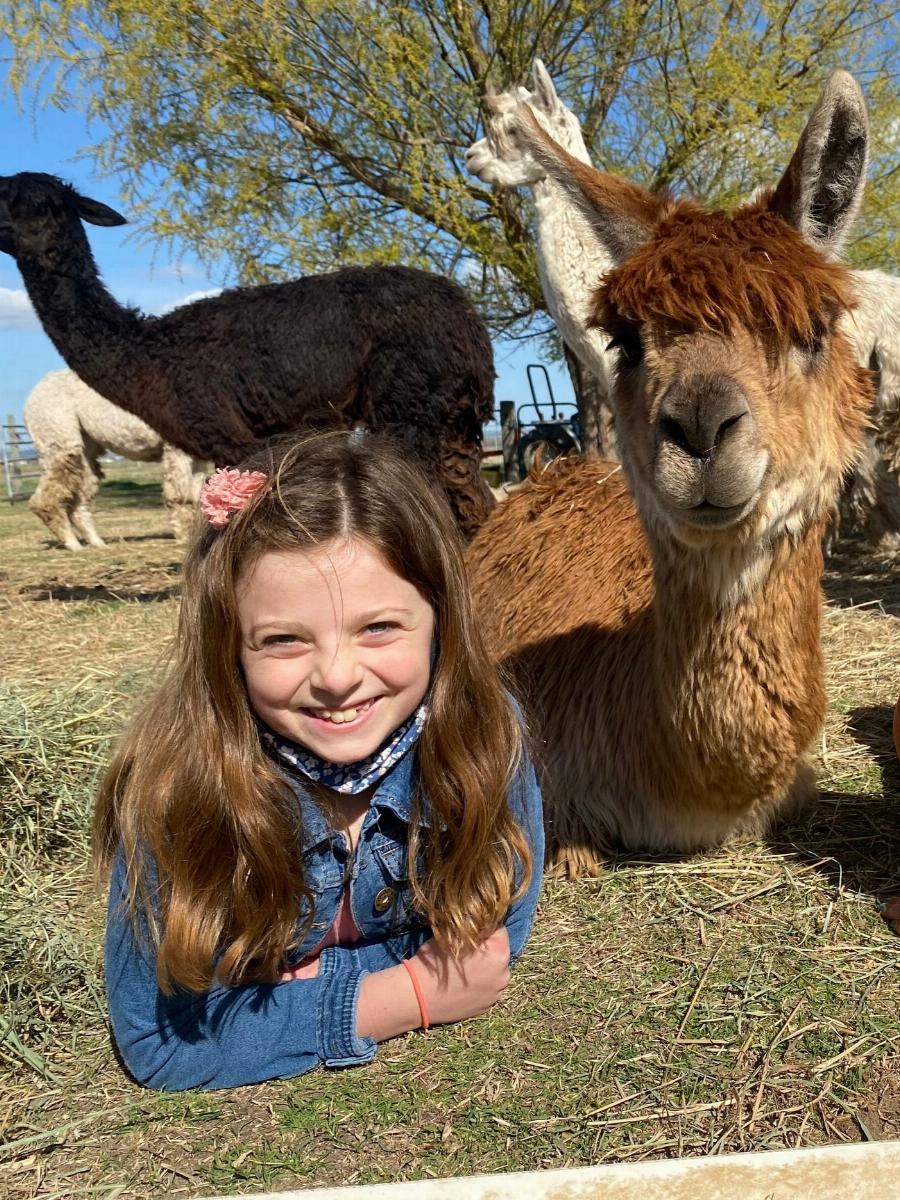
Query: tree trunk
x=594, y=410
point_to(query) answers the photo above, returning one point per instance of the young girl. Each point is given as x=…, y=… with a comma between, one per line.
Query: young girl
x=323, y=830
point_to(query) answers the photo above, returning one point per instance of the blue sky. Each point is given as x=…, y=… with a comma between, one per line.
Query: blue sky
x=135, y=272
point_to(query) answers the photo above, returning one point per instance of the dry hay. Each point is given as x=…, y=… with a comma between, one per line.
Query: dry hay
x=69, y=616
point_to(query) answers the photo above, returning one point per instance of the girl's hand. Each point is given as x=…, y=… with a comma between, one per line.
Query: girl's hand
x=456, y=989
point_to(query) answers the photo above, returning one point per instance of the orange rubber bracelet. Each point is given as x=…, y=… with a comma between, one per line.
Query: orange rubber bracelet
x=417, y=988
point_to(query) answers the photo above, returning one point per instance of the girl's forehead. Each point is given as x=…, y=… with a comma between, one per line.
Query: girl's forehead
x=352, y=565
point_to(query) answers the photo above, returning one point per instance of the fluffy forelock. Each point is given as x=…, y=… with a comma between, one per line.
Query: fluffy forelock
x=717, y=271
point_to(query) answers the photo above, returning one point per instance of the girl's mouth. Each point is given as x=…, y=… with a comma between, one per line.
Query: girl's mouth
x=341, y=717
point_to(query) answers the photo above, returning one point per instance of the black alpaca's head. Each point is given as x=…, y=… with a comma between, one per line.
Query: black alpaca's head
x=37, y=209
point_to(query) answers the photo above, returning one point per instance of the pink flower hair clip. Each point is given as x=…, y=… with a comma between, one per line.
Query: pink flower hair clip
x=227, y=492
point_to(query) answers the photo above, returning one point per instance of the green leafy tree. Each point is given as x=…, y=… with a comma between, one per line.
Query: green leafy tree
x=288, y=136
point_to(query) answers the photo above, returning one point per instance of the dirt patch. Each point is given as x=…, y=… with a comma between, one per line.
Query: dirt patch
x=855, y=577
x=118, y=584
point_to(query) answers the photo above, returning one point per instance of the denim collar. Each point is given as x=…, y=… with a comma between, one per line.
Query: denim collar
x=393, y=794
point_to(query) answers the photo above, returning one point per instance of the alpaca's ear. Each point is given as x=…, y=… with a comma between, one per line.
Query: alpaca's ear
x=98, y=214
x=620, y=213
x=544, y=91
x=821, y=190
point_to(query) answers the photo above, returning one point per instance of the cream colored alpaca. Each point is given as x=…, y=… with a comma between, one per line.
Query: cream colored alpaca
x=667, y=646
x=571, y=260
x=570, y=257
x=71, y=426
x=871, y=501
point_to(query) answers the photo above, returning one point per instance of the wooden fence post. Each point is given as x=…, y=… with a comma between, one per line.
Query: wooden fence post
x=509, y=435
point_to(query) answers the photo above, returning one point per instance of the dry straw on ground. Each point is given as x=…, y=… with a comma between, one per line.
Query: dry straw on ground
x=746, y=999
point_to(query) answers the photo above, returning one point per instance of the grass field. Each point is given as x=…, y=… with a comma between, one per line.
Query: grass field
x=747, y=999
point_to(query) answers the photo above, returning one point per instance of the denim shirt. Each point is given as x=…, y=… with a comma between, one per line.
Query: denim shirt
x=237, y=1035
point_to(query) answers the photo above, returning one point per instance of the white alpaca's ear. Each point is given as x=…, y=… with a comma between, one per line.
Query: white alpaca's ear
x=621, y=214
x=544, y=91
x=821, y=190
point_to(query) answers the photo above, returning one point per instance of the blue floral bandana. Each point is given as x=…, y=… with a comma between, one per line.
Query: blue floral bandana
x=349, y=778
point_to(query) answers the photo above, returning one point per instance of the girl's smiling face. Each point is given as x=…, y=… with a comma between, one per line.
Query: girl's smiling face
x=335, y=647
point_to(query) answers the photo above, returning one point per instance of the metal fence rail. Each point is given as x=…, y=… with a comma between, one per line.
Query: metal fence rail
x=19, y=460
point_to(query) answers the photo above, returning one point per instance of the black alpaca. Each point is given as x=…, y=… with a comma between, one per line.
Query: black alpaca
x=395, y=349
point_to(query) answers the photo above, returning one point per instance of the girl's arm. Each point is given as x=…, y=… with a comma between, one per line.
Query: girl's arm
x=454, y=989
x=457, y=989
x=526, y=806
x=231, y=1036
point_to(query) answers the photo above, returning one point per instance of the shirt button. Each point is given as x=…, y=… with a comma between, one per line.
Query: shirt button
x=384, y=899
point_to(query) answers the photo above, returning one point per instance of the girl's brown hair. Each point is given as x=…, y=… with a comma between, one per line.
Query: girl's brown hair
x=211, y=832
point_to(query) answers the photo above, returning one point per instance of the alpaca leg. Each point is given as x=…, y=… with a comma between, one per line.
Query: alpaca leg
x=82, y=514
x=180, y=487
x=572, y=847
x=199, y=474
x=794, y=806
x=883, y=526
x=56, y=494
x=859, y=498
x=891, y=913
x=183, y=518
x=803, y=794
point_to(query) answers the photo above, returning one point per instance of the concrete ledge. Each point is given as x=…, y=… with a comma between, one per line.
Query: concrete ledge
x=867, y=1171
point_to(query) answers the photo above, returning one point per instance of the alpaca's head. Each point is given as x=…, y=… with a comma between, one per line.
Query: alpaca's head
x=500, y=157
x=38, y=211
x=739, y=403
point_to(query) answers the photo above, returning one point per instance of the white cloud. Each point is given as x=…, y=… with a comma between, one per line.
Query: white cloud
x=180, y=270
x=188, y=299
x=16, y=311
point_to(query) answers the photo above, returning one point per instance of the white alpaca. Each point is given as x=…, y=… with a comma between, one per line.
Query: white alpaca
x=571, y=262
x=872, y=499
x=571, y=259
x=71, y=425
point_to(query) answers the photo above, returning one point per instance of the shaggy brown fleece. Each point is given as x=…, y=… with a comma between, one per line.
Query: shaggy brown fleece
x=717, y=271
x=671, y=671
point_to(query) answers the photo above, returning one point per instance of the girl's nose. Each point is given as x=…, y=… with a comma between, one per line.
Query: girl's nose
x=336, y=672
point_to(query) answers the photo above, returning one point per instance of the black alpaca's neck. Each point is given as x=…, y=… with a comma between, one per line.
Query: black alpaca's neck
x=94, y=334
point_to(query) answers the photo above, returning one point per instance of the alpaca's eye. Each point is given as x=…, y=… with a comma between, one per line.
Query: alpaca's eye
x=816, y=343
x=813, y=346
x=627, y=340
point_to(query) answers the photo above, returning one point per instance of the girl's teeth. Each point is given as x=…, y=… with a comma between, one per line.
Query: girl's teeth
x=343, y=716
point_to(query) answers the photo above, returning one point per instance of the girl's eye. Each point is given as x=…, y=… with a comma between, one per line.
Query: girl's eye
x=280, y=639
x=627, y=340
x=380, y=627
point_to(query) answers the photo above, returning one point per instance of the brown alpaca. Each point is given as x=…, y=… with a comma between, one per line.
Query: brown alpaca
x=667, y=645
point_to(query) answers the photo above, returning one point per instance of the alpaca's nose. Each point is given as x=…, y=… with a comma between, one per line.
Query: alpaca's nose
x=700, y=412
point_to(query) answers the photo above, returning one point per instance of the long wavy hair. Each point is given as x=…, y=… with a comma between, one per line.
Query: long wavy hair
x=210, y=830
